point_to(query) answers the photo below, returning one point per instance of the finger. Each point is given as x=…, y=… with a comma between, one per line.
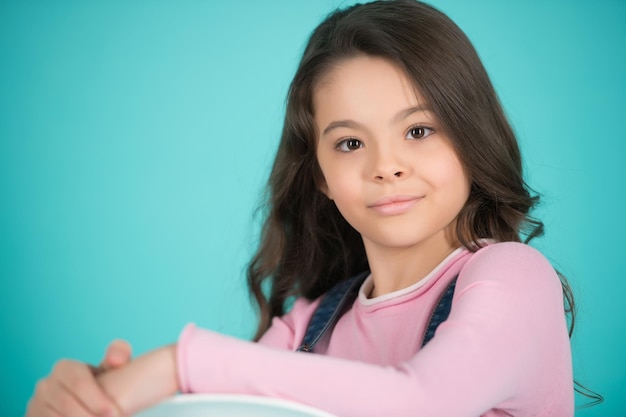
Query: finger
x=38, y=409
x=64, y=404
x=118, y=353
x=36, y=406
x=51, y=400
x=75, y=386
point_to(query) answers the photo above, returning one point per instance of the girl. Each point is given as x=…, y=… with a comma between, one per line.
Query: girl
x=396, y=159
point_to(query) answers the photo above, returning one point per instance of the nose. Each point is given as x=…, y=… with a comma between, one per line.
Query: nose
x=388, y=165
x=396, y=174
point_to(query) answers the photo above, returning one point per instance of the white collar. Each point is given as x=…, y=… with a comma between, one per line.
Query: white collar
x=368, y=284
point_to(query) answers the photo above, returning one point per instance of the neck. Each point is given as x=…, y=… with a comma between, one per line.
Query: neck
x=394, y=268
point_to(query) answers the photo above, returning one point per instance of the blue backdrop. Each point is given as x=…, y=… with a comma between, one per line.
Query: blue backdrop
x=135, y=139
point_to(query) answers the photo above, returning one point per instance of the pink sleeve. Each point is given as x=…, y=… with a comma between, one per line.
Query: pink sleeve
x=505, y=328
x=286, y=332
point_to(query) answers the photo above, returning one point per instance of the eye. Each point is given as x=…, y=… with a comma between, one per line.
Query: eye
x=419, y=132
x=349, y=145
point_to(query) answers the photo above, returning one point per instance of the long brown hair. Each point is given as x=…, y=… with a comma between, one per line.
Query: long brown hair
x=306, y=245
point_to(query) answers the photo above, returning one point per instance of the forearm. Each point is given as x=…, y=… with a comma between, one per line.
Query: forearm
x=144, y=382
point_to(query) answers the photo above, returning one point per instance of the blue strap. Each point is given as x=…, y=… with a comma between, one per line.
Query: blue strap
x=343, y=294
x=440, y=313
x=330, y=309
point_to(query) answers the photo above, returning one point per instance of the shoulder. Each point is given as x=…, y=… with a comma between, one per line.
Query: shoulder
x=512, y=264
x=515, y=286
x=287, y=331
x=509, y=303
x=508, y=256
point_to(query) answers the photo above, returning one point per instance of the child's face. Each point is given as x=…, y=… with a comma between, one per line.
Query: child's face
x=392, y=173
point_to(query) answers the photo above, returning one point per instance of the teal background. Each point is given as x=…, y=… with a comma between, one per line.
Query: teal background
x=135, y=139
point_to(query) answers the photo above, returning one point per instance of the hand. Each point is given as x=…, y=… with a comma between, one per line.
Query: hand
x=146, y=381
x=71, y=390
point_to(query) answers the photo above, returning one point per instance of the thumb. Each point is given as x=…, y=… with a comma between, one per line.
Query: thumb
x=118, y=354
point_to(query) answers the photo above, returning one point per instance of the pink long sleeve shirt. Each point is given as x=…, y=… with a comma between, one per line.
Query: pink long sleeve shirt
x=504, y=350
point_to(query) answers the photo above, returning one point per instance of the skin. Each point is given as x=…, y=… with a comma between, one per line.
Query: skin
x=72, y=390
x=144, y=382
x=377, y=140
x=117, y=388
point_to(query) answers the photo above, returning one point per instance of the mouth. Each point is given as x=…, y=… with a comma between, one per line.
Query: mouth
x=394, y=205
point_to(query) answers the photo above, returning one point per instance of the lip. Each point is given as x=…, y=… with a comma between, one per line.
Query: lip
x=394, y=205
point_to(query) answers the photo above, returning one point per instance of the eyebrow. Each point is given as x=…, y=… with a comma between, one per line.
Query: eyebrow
x=351, y=124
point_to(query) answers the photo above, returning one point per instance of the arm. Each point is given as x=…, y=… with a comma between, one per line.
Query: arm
x=287, y=332
x=71, y=389
x=505, y=330
x=143, y=383
x=153, y=376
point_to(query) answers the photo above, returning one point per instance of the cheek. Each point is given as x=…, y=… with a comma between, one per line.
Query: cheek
x=338, y=187
x=330, y=180
x=341, y=185
x=452, y=177
x=324, y=174
x=339, y=176
x=461, y=184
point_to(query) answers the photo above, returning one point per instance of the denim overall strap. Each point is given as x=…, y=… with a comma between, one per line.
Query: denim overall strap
x=329, y=310
x=441, y=312
x=344, y=293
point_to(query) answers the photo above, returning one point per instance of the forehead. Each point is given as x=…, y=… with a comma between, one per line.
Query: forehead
x=364, y=86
